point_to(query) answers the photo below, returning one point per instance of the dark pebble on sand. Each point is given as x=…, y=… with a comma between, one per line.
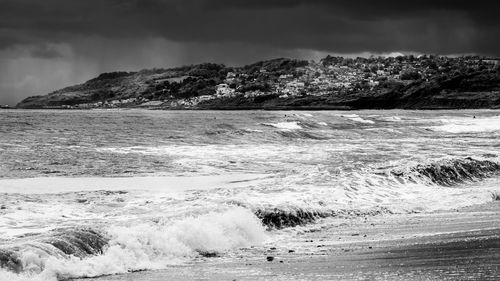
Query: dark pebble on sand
x=3, y=207
x=291, y=251
x=269, y=258
x=81, y=200
x=272, y=248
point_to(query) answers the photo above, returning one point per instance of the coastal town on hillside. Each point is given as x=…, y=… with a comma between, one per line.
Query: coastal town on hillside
x=192, y=86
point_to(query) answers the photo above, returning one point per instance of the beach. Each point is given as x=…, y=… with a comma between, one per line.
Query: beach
x=249, y=195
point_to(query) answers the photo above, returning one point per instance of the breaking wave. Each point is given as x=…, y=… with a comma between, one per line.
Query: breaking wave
x=449, y=172
x=89, y=253
x=276, y=218
x=86, y=252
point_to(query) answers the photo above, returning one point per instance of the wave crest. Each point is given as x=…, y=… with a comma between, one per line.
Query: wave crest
x=79, y=242
x=275, y=218
x=452, y=171
x=61, y=243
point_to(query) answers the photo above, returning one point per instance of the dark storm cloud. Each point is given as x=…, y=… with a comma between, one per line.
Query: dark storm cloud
x=441, y=26
x=46, y=45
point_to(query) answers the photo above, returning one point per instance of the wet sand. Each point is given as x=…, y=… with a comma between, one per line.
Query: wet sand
x=454, y=245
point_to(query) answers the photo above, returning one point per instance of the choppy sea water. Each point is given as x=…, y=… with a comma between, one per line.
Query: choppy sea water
x=90, y=193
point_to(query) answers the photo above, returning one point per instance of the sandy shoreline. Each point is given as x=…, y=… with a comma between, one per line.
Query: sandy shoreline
x=454, y=245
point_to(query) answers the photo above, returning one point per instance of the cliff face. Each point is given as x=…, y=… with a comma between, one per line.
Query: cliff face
x=332, y=83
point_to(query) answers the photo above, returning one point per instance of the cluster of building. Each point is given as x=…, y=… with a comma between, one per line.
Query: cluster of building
x=106, y=104
x=330, y=76
x=341, y=75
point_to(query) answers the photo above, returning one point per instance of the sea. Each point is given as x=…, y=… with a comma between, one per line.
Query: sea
x=86, y=193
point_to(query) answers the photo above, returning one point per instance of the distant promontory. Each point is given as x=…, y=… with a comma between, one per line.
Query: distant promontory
x=405, y=82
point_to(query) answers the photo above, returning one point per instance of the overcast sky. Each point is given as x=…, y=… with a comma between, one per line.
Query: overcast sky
x=49, y=44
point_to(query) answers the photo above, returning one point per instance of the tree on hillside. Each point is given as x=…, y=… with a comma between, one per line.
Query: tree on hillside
x=410, y=75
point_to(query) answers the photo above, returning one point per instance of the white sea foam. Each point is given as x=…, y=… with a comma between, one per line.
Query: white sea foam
x=469, y=125
x=252, y=130
x=357, y=118
x=284, y=125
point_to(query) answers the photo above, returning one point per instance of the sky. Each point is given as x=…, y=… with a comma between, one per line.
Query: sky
x=50, y=44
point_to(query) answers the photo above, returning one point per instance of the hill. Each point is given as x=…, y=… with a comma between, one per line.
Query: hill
x=425, y=82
